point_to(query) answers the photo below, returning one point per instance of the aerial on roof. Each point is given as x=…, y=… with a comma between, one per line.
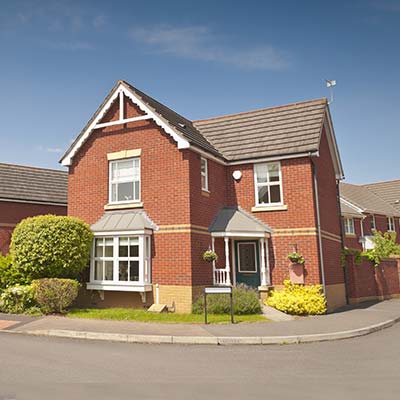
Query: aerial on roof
x=37, y=185
x=388, y=191
x=366, y=200
x=293, y=129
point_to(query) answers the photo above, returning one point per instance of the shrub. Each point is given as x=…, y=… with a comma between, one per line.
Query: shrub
x=50, y=246
x=385, y=246
x=298, y=299
x=245, y=301
x=17, y=299
x=296, y=258
x=9, y=276
x=55, y=295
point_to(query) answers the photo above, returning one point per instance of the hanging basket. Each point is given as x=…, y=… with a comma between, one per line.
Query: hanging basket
x=210, y=256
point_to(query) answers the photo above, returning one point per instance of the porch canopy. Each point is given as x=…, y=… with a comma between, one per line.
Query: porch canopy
x=234, y=222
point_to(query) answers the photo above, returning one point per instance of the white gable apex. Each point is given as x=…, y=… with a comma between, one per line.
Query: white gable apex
x=120, y=91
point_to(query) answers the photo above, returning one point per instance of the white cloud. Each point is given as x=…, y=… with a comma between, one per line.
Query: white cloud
x=199, y=43
x=50, y=149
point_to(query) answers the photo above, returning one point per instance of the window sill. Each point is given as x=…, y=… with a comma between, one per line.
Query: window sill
x=121, y=206
x=147, y=287
x=350, y=235
x=283, y=207
x=205, y=193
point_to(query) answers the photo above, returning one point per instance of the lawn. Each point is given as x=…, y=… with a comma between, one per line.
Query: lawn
x=131, y=314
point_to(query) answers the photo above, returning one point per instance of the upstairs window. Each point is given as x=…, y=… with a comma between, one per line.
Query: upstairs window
x=349, y=226
x=390, y=224
x=204, y=174
x=124, y=181
x=373, y=224
x=268, y=184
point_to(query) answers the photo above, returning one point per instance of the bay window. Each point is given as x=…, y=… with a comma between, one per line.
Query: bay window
x=120, y=261
x=268, y=184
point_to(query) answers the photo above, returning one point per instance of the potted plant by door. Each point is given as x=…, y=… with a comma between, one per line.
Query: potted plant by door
x=296, y=268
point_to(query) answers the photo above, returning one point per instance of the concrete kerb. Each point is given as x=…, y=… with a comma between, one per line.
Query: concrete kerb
x=210, y=340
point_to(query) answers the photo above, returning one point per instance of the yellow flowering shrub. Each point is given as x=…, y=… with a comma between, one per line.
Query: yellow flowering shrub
x=298, y=299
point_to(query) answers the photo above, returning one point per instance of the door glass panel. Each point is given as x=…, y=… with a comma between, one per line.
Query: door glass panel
x=108, y=270
x=134, y=271
x=123, y=270
x=247, y=259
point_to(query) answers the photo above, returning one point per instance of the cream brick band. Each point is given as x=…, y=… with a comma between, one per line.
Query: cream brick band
x=119, y=155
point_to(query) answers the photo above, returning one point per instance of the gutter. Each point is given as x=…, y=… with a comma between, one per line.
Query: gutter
x=346, y=289
x=321, y=255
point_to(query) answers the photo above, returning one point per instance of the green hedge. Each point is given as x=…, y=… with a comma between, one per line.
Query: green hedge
x=245, y=301
x=55, y=295
x=9, y=276
x=50, y=246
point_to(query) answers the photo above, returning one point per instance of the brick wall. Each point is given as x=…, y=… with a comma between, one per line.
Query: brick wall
x=11, y=213
x=367, y=282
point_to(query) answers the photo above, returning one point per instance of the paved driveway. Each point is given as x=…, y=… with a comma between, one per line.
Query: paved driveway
x=41, y=368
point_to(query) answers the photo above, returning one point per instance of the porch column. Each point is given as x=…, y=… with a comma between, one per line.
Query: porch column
x=267, y=271
x=213, y=263
x=263, y=268
x=227, y=264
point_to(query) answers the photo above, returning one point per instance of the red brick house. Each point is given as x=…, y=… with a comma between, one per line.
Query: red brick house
x=369, y=208
x=26, y=192
x=159, y=190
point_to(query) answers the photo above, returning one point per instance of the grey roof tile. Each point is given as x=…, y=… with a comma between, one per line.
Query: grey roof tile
x=18, y=182
x=289, y=129
x=365, y=199
x=388, y=191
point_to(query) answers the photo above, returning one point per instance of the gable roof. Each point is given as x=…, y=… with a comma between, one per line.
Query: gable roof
x=290, y=129
x=293, y=129
x=38, y=185
x=388, y=191
x=235, y=219
x=365, y=199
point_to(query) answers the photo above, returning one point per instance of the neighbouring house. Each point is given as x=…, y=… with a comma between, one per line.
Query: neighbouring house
x=369, y=208
x=26, y=192
x=159, y=190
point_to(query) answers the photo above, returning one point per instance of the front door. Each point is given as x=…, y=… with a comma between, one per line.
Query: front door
x=247, y=263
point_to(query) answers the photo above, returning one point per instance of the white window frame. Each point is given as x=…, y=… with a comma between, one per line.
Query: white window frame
x=349, y=223
x=144, y=258
x=390, y=224
x=111, y=182
x=257, y=185
x=255, y=258
x=204, y=174
x=373, y=223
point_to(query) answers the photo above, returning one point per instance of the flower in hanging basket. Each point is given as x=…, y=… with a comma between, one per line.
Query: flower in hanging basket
x=210, y=256
x=296, y=258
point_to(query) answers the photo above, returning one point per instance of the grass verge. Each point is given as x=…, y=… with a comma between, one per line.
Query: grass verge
x=131, y=314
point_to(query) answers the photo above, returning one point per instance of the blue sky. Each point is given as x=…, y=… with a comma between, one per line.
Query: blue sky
x=59, y=59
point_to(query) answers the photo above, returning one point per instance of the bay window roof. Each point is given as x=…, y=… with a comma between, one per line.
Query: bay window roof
x=119, y=221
